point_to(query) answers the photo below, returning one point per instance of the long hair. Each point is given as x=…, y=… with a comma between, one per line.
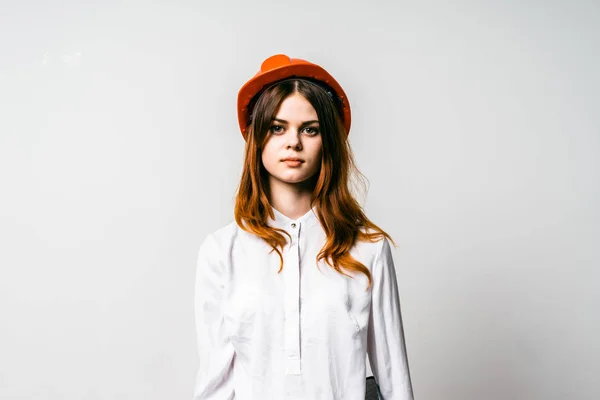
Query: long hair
x=339, y=213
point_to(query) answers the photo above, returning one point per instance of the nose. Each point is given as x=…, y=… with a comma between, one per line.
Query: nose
x=293, y=138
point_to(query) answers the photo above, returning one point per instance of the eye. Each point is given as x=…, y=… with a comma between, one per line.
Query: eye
x=312, y=131
x=274, y=128
x=315, y=131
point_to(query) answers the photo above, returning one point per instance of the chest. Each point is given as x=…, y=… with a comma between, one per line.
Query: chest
x=258, y=291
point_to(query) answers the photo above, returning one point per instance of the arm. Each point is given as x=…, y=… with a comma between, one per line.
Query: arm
x=385, y=344
x=214, y=379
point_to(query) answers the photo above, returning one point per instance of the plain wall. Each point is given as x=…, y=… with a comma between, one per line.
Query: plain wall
x=476, y=123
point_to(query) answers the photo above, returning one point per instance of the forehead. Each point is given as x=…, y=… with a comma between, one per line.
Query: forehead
x=296, y=106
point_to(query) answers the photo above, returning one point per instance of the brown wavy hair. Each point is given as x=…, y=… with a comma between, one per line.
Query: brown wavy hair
x=339, y=213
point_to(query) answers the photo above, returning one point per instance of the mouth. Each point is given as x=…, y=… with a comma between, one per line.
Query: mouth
x=293, y=159
x=292, y=163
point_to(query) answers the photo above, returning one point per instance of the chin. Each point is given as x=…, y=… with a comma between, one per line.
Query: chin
x=293, y=177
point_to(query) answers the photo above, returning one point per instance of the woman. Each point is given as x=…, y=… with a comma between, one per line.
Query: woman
x=292, y=294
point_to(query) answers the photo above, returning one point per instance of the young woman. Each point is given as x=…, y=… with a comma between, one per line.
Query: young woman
x=294, y=292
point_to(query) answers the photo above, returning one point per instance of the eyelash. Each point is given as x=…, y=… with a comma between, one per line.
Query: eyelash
x=316, y=130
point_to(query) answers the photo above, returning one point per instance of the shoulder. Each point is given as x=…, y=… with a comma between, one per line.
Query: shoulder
x=214, y=252
x=372, y=251
x=377, y=244
x=226, y=232
x=220, y=238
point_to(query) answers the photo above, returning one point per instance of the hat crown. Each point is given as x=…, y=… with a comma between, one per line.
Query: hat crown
x=275, y=61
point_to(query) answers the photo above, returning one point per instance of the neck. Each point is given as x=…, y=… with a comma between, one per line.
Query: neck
x=290, y=199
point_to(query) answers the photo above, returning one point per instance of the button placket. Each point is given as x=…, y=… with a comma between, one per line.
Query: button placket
x=292, y=305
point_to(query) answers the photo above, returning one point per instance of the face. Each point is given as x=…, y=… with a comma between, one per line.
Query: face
x=294, y=132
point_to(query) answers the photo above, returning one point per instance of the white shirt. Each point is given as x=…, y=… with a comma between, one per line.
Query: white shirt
x=301, y=333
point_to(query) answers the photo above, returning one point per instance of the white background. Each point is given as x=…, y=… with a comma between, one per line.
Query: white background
x=476, y=123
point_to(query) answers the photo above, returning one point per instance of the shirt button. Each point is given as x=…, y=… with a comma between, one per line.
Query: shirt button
x=293, y=225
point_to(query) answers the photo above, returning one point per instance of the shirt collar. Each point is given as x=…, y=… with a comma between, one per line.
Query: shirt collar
x=284, y=222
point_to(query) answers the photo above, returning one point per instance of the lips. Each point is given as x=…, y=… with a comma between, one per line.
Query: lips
x=293, y=164
x=293, y=159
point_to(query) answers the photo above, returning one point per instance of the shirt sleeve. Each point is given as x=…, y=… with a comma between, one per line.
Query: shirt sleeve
x=385, y=341
x=214, y=378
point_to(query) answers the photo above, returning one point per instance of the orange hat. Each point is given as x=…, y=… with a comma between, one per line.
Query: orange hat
x=279, y=67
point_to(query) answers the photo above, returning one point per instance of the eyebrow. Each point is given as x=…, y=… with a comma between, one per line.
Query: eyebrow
x=283, y=121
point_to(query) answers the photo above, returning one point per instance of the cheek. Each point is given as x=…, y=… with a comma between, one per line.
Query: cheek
x=316, y=152
x=267, y=156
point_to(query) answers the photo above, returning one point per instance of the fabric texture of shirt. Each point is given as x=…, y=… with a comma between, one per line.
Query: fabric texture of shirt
x=300, y=334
